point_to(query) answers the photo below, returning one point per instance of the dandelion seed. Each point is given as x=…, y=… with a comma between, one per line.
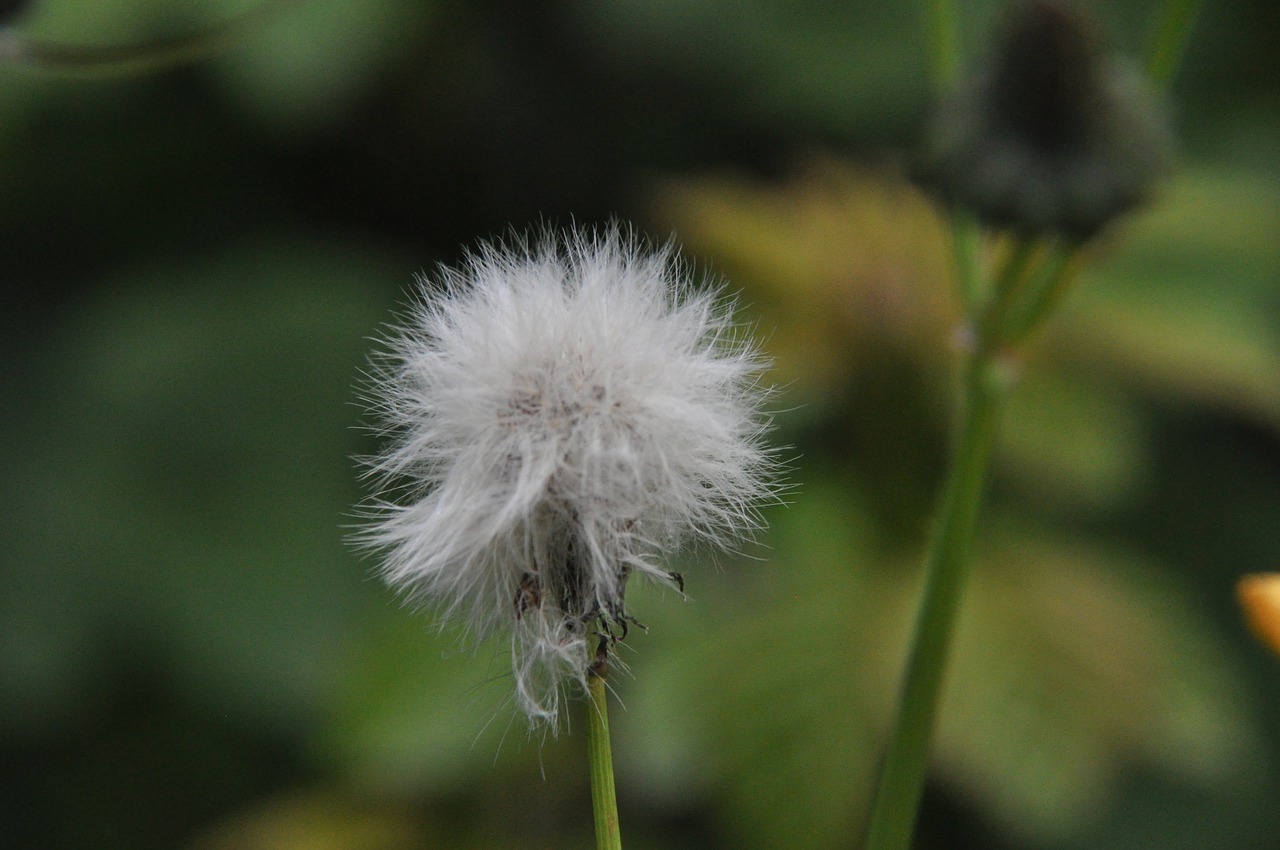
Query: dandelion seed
x=561, y=413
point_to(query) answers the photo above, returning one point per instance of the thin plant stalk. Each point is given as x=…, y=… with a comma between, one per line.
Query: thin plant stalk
x=947, y=562
x=1046, y=286
x=1170, y=41
x=604, y=801
x=1028, y=287
x=944, y=41
x=1006, y=290
x=966, y=244
x=946, y=570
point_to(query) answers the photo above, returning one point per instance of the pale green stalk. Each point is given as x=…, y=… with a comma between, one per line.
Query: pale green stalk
x=1045, y=287
x=604, y=802
x=1003, y=314
x=1171, y=37
x=1006, y=292
x=966, y=244
x=944, y=41
x=985, y=388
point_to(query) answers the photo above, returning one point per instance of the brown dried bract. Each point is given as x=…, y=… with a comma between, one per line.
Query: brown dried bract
x=528, y=595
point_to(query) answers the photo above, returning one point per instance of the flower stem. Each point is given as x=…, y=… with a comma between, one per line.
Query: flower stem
x=966, y=245
x=604, y=801
x=1047, y=285
x=944, y=41
x=902, y=776
x=1170, y=41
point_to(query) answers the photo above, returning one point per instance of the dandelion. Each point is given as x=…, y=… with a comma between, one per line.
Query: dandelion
x=561, y=413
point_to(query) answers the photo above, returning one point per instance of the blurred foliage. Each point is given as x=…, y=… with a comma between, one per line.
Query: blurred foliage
x=1073, y=662
x=195, y=262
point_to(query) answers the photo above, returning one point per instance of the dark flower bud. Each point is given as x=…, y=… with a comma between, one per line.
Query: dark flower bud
x=1049, y=135
x=10, y=9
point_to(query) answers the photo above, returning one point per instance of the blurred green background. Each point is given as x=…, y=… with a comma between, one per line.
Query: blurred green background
x=194, y=262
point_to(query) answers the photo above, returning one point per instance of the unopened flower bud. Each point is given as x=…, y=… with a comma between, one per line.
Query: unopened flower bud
x=1049, y=136
x=10, y=9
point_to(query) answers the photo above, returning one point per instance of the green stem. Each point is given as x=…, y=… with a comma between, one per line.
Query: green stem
x=966, y=244
x=1004, y=293
x=1171, y=37
x=604, y=803
x=946, y=569
x=1045, y=290
x=943, y=41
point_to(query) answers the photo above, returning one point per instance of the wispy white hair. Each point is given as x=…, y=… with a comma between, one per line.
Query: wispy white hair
x=560, y=412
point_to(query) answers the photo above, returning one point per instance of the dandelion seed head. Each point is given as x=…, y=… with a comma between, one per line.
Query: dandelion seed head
x=560, y=414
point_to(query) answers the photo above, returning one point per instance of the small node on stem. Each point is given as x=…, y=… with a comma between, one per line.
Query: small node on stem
x=1002, y=372
x=599, y=668
x=964, y=339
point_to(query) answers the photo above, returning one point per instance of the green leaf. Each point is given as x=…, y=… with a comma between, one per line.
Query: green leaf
x=181, y=486
x=1187, y=307
x=311, y=62
x=1072, y=441
x=1074, y=665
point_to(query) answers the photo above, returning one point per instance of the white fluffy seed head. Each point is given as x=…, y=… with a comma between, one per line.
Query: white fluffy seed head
x=560, y=412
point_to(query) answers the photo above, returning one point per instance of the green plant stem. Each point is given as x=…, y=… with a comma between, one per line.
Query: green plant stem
x=604, y=802
x=902, y=776
x=1170, y=40
x=1045, y=287
x=944, y=41
x=1006, y=289
x=966, y=244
